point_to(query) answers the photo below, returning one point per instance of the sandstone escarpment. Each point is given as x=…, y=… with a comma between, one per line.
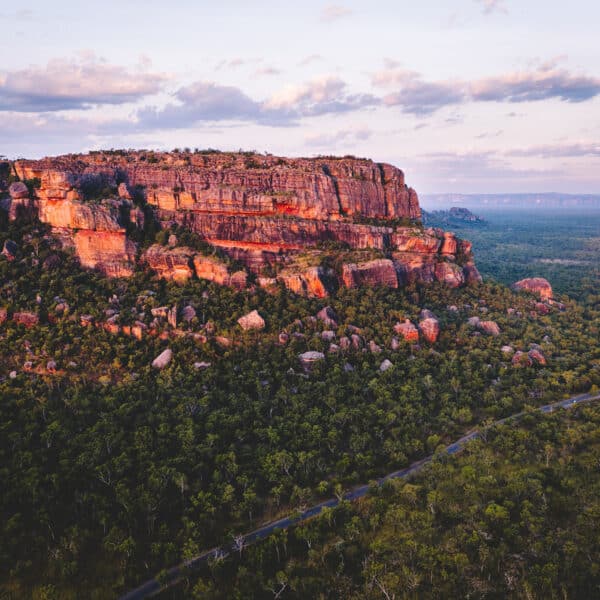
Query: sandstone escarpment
x=260, y=210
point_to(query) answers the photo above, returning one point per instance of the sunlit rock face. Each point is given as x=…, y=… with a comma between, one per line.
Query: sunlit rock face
x=536, y=285
x=261, y=210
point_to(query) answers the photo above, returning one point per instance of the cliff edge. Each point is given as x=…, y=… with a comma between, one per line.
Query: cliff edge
x=282, y=218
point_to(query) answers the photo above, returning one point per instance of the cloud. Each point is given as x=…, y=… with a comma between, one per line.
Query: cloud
x=209, y=101
x=310, y=59
x=491, y=6
x=541, y=84
x=74, y=84
x=236, y=62
x=569, y=150
x=334, y=12
x=417, y=96
x=472, y=169
x=267, y=71
x=22, y=14
x=201, y=101
x=490, y=134
x=332, y=139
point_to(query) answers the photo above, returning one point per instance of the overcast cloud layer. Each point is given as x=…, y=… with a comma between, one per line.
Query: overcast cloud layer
x=483, y=97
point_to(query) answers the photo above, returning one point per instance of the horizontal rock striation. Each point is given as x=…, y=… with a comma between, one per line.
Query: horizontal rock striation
x=259, y=209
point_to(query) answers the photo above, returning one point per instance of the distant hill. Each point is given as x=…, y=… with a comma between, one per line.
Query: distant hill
x=457, y=215
x=517, y=201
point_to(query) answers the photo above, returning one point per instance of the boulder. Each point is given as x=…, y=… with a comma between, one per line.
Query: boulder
x=430, y=329
x=52, y=262
x=374, y=348
x=18, y=191
x=328, y=335
x=10, y=250
x=471, y=275
x=489, y=327
x=252, y=320
x=385, y=365
x=163, y=359
x=450, y=274
x=27, y=318
x=345, y=343
x=536, y=356
x=357, y=341
x=309, y=359
x=407, y=330
x=535, y=285
x=395, y=344
x=188, y=313
x=328, y=316
x=201, y=365
x=521, y=359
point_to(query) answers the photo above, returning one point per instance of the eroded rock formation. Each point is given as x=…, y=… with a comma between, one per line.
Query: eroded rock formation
x=536, y=285
x=264, y=211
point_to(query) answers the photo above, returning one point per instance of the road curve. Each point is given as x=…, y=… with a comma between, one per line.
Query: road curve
x=174, y=574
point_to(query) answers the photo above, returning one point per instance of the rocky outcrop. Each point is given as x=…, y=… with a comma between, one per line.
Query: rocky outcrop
x=261, y=210
x=374, y=272
x=251, y=321
x=174, y=264
x=407, y=330
x=535, y=285
x=213, y=269
x=312, y=281
x=430, y=329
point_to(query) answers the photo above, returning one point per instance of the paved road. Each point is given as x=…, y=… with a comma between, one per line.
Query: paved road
x=173, y=575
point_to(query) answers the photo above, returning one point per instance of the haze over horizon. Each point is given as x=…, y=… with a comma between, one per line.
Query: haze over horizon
x=485, y=96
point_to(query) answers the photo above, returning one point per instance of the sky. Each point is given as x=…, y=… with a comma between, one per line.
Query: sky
x=470, y=96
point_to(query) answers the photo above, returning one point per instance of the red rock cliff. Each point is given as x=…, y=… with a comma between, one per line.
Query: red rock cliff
x=259, y=209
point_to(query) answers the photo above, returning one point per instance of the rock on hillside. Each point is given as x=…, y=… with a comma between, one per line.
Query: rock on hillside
x=251, y=321
x=536, y=285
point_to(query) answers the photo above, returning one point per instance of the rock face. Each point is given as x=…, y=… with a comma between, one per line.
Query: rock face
x=174, y=264
x=371, y=273
x=536, y=285
x=261, y=210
